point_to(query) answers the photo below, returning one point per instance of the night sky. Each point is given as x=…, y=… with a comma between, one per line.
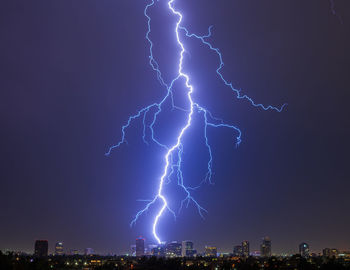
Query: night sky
x=71, y=72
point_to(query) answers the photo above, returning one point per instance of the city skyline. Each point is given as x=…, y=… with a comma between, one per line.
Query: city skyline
x=144, y=248
x=73, y=73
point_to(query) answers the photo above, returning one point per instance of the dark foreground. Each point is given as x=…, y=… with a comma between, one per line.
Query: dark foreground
x=13, y=261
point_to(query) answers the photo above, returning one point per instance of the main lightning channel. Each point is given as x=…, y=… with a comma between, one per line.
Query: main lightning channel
x=173, y=162
x=189, y=119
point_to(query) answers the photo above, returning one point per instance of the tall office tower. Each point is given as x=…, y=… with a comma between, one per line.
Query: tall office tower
x=304, y=250
x=187, y=249
x=210, y=251
x=41, y=248
x=173, y=249
x=265, y=247
x=245, y=249
x=237, y=251
x=59, y=249
x=140, y=247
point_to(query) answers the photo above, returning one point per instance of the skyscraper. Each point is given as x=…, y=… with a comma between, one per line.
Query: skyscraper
x=304, y=250
x=245, y=249
x=140, y=247
x=59, y=249
x=237, y=251
x=41, y=248
x=265, y=247
x=187, y=249
x=173, y=249
x=210, y=251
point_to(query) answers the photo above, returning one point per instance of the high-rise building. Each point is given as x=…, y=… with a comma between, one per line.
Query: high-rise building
x=245, y=249
x=159, y=251
x=41, y=248
x=59, y=249
x=265, y=247
x=140, y=247
x=187, y=249
x=210, y=251
x=304, y=250
x=237, y=251
x=173, y=249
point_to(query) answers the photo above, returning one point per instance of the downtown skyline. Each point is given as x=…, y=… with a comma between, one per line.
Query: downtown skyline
x=246, y=250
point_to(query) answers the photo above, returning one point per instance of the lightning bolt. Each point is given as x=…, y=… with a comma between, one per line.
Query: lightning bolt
x=173, y=155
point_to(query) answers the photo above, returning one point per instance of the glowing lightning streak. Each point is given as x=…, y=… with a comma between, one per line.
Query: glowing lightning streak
x=181, y=74
x=221, y=65
x=213, y=122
